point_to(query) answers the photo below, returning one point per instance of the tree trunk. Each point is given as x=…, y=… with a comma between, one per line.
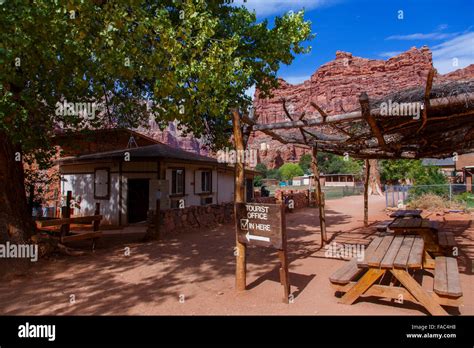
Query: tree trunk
x=375, y=186
x=16, y=225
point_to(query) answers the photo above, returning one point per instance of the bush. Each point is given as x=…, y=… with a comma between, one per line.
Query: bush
x=433, y=202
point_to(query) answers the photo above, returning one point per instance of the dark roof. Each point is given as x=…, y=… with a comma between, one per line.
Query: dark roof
x=438, y=162
x=141, y=153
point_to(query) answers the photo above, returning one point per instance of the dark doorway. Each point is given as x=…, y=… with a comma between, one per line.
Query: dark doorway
x=138, y=193
x=249, y=189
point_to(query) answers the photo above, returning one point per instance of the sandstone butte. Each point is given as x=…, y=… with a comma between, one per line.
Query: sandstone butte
x=336, y=87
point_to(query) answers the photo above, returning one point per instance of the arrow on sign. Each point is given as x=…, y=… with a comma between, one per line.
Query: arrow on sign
x=251, y=236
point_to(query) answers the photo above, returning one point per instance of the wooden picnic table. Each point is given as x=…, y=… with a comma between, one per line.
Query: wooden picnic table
x=436, y=243
x=402, y=213
x=399, y=255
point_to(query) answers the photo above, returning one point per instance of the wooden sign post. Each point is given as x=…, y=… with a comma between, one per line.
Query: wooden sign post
x=264, y=225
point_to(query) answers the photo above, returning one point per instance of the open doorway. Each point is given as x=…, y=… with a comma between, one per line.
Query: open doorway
x=137, y=202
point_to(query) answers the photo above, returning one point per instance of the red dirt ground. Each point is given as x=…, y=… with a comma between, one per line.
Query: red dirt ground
x=194, y=273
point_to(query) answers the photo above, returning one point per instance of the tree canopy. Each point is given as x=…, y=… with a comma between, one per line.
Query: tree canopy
x=190, y=60
x=289, y=170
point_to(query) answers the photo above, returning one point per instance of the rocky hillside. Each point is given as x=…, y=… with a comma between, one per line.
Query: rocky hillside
x=336, y=86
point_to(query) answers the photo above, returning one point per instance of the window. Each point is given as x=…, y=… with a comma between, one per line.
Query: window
x=101, y=183
x=177, y=181
x=206, y=181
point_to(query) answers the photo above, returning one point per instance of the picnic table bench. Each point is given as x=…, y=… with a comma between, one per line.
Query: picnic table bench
x=399, y=255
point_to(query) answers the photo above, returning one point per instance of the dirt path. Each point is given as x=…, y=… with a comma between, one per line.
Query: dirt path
x=194, y=273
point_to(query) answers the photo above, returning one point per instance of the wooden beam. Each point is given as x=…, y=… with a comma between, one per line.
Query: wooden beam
x=239, y=197
x=365, y=110
x=426, y=99
x=366, y=193
x=319, y=194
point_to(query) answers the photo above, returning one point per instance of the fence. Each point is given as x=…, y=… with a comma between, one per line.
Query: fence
x=396, y=195
x=334, y=192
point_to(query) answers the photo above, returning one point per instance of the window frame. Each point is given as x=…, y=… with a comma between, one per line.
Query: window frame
x=107, y=196
x=174, y=181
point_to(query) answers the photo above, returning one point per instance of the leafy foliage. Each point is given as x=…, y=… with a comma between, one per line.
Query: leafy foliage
x=191, y=60
x=398, y=170
x=289, y=170
x=334, y=164
x=305, y=163
x=274, y=174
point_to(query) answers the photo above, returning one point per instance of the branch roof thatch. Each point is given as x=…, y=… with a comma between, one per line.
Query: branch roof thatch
x=443, y=124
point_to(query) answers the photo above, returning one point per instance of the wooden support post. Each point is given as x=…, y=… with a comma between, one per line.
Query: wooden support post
x=96, y=224
x=157, y=219
x=319, y=195
x=283, y=256
x=66, y=213
x=239, y=197
x=97, y=212
x=366, y=193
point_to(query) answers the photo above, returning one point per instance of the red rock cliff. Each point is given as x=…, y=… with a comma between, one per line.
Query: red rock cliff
x=336, y=87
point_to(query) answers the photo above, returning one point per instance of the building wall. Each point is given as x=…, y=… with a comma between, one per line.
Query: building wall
x=225, y=187
x=79, y=178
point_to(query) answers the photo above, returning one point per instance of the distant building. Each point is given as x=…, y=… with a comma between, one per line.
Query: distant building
x=457, y=171
x=465, y=167
x=446, y=165
x=326, y=180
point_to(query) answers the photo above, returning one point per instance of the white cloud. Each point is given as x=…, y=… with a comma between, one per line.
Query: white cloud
x=420, y=36
x=294, y=80
x=459, y=50
x=265, y=8
x=389, y=54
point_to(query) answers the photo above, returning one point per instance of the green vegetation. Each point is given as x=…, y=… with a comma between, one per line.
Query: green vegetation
x=305, y=163
x=289, y=170
x=258, y=180
x=393, y=171
x=334, y=164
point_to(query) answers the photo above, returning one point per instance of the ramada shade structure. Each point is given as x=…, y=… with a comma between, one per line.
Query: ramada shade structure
x=382, y=129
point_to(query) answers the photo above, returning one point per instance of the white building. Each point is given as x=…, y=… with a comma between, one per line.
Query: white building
x=127, y=183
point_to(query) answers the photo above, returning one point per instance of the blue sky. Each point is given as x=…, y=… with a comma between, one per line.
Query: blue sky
x=372, y=29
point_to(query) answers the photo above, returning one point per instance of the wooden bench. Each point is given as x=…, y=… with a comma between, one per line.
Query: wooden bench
x=70, y=236
x=446, y=239
x=346, y=273
x=383, y=225
x=446, y=279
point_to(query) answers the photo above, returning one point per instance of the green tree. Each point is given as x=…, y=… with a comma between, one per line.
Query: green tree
x=258, y=180
x=274, y=174
x=262, y=168
x=397, y=170
x=289, y=170
x=334, y=164
x=191, y=60
x=305, y=163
